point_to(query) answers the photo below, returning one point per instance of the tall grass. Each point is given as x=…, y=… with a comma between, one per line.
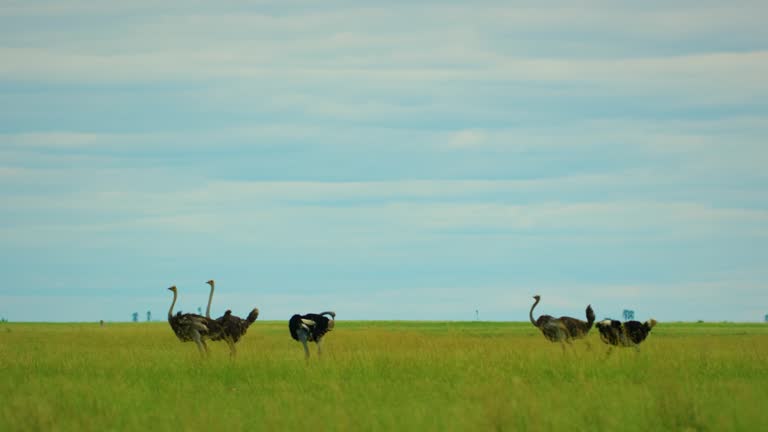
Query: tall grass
x=382, y=376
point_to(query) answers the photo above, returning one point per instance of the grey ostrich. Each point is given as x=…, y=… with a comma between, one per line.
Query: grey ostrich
x=232, y=327
x=311, y=328
x=563, y=329
x=190, y=327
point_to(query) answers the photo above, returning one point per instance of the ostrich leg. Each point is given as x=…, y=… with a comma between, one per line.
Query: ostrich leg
x=232, y=349
x=567, y=344
x=608, y=354
x=319, y=347
x=303, y=339
x=200, y=343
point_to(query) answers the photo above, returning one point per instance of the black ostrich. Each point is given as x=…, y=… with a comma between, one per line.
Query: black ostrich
x=626, y=334
x=562, y=329
x=192, y=327
x=311, y=328
x=232, y=327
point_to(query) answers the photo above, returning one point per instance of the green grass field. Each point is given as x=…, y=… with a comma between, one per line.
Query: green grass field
x=382, y=376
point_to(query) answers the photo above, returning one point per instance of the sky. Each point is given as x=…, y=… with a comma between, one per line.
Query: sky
x=386, y=160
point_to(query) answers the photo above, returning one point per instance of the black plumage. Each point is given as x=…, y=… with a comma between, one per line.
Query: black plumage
x=318, y=328
x=626, y=334
x=610, y=331
x=311, y=328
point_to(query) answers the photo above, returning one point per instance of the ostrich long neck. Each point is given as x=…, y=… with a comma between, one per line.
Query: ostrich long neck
x=210, y=299
x=170, y=311
x=530, y=314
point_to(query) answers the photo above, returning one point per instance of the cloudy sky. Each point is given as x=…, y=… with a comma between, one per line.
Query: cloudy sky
x=398, y=160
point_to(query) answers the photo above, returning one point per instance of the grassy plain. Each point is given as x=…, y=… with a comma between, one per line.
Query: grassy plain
x=382, y=376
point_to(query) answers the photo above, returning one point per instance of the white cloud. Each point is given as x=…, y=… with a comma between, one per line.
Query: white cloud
x=497, y=302
x=467, y=139
x=320, y=209
x=406, y=45
x=736, y=72
x=532, y=129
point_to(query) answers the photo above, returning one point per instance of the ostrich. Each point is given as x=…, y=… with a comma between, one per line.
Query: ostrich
x=626, y=334
x=311, y=327
x=232, y=327
x=191, y=327
x=563, y=329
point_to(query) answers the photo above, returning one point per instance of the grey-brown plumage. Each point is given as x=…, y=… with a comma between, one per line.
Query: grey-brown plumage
x=562, y=329
x=626, y=334
x=311, y=328
x=191, y=327
x=231, y=327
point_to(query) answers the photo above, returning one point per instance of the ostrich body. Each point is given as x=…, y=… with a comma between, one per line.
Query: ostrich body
x=626, y=334
x=190, y=327
x=311, y=328
x=232, y=327
x=562, y=329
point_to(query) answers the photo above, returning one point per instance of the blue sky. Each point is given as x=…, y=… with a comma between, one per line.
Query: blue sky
x=398, y=161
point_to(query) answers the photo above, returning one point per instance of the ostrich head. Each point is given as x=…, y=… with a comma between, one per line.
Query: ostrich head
x=172, y=288
x=537, y=297
x=210, y=282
